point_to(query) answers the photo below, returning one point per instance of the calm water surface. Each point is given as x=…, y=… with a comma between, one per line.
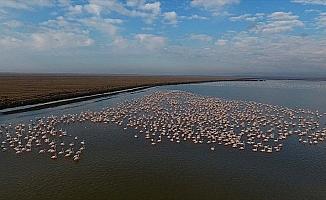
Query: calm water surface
x=115, y=165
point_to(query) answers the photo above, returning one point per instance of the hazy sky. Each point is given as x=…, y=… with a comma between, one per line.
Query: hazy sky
x=164, y=36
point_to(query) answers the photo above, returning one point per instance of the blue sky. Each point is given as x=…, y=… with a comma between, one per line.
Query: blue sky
x=209, y=37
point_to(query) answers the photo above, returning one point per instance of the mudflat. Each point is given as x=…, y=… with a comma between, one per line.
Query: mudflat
x=25, y=89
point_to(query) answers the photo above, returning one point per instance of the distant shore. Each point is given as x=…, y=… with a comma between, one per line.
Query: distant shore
x=27, y=92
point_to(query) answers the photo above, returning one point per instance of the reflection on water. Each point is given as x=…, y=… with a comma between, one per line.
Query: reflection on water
x=118, y=166
x=298, y=85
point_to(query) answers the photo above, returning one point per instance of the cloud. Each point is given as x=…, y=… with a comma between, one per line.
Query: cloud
x=53, y=39
x=312, y=11
x=46, y=40
x=75, y=9
x=61, y=24
x=93, y=9
x=132, y=8
x=25, y=4
x=104, y=25
x=278, y=22
x=154, y=8
x=201, y=37
x=278, y=51
x=109, y=27
x=3, y=13
x=170, y=17
x=195, y=17
x=58, y=33
x=9, y=42
x=120, y=42
x=268, y=54
x=64, y=2
x=314, y=2
x=244, y=17
x=135, y=3
x=321, y=20
x=213, y=5
x=221, y=42
x=13, y=23
x=150, y=42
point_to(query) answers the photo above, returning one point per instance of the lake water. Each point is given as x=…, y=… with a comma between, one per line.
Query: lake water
x=115, y=165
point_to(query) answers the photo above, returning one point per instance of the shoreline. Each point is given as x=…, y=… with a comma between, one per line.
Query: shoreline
x=57, y=101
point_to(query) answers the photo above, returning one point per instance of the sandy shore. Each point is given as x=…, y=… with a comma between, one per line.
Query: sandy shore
x=22, y=90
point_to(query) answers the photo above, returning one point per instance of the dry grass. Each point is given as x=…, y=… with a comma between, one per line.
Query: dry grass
x=16, y=90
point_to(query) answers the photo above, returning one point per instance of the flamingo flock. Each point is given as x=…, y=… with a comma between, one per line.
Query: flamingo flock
x=41, y=136
x=175, y=116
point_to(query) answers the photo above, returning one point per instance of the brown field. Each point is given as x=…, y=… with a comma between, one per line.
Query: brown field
x=17, y=90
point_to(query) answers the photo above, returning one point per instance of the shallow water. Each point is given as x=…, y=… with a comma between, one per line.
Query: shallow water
x=118, y=166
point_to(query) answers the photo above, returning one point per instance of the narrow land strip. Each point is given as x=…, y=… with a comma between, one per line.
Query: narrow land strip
x=52, y=90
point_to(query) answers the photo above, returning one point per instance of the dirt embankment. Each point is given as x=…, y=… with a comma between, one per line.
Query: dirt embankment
x=18, y=90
